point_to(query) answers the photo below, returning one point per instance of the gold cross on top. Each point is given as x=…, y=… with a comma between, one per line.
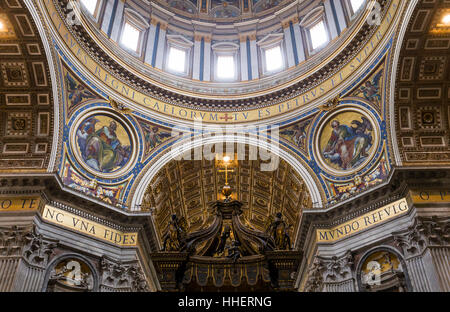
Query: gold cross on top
x=226, y=161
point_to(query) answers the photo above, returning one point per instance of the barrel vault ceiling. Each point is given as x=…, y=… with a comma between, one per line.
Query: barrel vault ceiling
x=26, y=111
x=188, y=187
x=422, y=87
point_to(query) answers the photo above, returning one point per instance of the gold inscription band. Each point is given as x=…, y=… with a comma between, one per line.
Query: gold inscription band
x=19, y=203
x=421, y=197
x=363, y=222
x=85, y=226
x=218, y=117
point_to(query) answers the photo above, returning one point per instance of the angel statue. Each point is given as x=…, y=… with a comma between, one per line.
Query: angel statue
x=175, y=237
x=277, y=228
x=234, y=251
x=154, y=135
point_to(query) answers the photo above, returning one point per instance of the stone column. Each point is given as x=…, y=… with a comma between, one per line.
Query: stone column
x=254, y=57
x=149, y=50
x=426, y=249
x=330, y=13
x=161, y=45
x=202, y=52
x=207, y=59
x=244, y=58
x=288, y=42
x=197, y=57
x=298, y=40
x=342, y=21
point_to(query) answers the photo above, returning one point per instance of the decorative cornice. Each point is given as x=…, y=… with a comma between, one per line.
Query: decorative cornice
x=395, y=187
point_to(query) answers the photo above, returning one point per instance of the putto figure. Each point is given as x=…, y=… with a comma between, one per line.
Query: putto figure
x=348, y=146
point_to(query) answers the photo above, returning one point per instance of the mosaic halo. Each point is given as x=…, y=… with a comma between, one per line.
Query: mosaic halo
x=103, y=143
x=347, y=140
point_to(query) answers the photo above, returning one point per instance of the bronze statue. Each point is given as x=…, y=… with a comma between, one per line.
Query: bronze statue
x=278, y=230
x=234, y=251
x=223, y=240
x=175, y=237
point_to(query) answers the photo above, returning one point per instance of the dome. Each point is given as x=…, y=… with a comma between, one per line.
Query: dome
x=226, y=55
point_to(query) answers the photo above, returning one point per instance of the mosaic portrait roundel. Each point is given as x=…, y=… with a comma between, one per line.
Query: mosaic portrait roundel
x=103, y=143
x=347, y=141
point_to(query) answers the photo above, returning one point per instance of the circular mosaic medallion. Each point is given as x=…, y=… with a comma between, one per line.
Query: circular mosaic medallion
x=347, y=141
x=103, y=143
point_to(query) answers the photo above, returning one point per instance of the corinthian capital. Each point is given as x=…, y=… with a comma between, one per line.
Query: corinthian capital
x=12, y=240
x=123, y=276
x=329, y=270
x=424, y=232
x=38, y=250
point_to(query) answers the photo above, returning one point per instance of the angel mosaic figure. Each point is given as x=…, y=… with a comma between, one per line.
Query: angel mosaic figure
x=371, y=88
x=77, y=92
x=153, y=135
x=297, y=133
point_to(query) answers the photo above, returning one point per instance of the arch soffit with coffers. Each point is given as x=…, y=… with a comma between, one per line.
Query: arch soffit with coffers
x=33, y=98
x=418, y=101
